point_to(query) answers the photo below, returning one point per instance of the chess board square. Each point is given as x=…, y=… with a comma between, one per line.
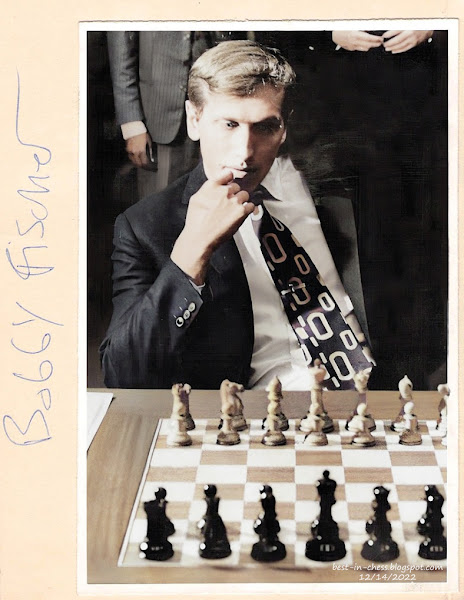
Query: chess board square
x=373, y=475
x=176, y=510
x=366, y=458
x=417, y=475
x=176, y=457
x=275, y=457
x=441, y=456
x=416, y=459
x=357, y=530
x=166, y=474
x=326, y=458
x=306, y=511
x=226, y=474
x=269, y=474
x=224, y=457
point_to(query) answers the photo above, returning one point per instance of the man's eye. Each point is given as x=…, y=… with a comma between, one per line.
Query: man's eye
x=231, y=124
x=267, y=128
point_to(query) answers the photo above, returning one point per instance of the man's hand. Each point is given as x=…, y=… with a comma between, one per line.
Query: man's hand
x=214, y=214
x=402, y=41
x=137, y=147
x=356, y=40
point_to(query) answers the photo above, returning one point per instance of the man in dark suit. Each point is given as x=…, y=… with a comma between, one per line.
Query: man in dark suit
x=192, y=301
x=149, y=70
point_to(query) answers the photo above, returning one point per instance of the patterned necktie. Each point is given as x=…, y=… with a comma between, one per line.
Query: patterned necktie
x=311, y=309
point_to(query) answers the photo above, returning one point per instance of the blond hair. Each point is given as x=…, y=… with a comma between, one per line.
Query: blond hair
x=238, y=68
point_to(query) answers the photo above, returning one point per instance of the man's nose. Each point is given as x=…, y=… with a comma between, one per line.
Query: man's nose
x=244, y=148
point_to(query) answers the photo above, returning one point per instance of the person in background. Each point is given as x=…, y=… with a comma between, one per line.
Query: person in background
x=149, y=71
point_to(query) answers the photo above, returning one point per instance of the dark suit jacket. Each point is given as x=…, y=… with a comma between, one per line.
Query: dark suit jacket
x=163, y=331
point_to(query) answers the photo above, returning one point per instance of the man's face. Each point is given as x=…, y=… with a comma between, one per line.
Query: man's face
x=239, y=134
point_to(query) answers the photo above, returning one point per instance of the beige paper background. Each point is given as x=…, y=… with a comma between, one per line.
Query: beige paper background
x=38, y=506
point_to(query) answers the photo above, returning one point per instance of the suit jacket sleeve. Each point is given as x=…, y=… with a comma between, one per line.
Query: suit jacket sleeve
x=149, y=315
x=123, y=52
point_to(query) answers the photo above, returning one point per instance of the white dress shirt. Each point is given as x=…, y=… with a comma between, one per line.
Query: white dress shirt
x=276, y=349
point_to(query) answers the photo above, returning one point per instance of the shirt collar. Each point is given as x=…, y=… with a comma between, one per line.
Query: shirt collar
x=271, y=186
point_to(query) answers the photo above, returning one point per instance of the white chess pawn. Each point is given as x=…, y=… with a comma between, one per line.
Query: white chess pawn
x=405, y=389
x=411, y=435
x=360, y=425
x=442, y=425
x=314, y=424
x=178, y=435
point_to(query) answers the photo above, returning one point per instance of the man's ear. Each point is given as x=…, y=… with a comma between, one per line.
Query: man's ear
x=284, y=137
x=192, y=121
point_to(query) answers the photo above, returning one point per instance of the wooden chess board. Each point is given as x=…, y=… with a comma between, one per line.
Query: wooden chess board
x=292, y=471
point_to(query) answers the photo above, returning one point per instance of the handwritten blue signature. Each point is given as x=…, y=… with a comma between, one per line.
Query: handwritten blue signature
x=39, y=212
x=26, y=264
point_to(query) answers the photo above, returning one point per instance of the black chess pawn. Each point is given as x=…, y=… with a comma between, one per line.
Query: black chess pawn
x=430, y=491
x=160, y=496
x=434, y=546
x=269, y=548
x=326, y=544
x=156, y=545
x=215, y=543
x=380, y=547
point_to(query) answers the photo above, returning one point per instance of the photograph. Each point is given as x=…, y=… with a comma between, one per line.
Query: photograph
x=268, y=264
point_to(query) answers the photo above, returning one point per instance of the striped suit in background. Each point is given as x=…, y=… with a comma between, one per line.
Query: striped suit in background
x=149, y=70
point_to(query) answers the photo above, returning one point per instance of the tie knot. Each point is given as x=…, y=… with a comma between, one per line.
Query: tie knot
x=259, y=195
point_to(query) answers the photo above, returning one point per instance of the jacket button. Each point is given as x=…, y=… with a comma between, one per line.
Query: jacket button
x=186, y=314
x=179, y=321
x=191, y=307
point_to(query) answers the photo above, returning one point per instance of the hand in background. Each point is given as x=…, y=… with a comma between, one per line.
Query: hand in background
x=136, y=148
x=356, y=40
x=404, y=40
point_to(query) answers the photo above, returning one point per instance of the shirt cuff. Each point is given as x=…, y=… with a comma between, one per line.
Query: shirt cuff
x=199, y=288
x=132, y=129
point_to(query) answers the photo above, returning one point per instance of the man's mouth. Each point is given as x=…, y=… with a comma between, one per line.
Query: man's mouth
x=241, y=173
